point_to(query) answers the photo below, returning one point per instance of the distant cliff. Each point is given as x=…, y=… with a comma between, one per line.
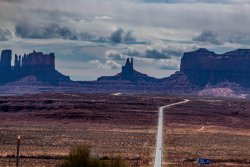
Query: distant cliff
x=37, y=64
x=204, y=67
x=128, y=74
x=202, y=72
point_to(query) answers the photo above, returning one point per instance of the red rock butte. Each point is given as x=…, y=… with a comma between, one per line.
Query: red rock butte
x=37, y=64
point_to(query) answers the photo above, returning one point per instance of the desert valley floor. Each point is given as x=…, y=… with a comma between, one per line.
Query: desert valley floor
x=126, y=125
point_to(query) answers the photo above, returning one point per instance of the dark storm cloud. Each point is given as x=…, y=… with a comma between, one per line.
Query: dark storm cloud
x=5, y=35
x=119, y=36
x=208, y=37
x=44, y=31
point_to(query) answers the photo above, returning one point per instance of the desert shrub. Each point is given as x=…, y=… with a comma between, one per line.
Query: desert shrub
x=80, y=157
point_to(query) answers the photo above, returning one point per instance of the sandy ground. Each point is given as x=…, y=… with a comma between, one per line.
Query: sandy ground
x=42, y=144
x=50, y=124
x=215, y=129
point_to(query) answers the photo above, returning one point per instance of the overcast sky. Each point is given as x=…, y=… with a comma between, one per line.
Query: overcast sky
x=92, y=38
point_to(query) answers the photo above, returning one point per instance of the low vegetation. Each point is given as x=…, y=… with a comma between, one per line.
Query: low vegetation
x=80, y=156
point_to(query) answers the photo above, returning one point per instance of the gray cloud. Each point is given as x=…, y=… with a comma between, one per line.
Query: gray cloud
x=170, y=64
x=147, y=56
x=109, y=64
x=177, y=51
x=197, y=1
x=148, y=53
x=44, y=31
x=85, y=36
x=134, y=52
x=91, y=19
x=131, y=52
x=128, y=37
x=53, y=30
x=114, y=55
x=161, y=51
x=168, y=1
x=239, y=39
x=116, y=36
x=112, y=65
x=102, y=18
x=5, y=35
x=173, y=52
x=183, y=20
x=119, y=36
x=155, y=54
x=208, y=37
x=12, y=1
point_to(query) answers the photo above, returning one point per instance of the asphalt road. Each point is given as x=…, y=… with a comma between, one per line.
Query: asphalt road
x=159, y=143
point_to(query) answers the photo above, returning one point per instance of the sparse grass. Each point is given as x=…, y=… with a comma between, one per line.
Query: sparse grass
x=51, y=124
x=80, y=157
x=224, y=147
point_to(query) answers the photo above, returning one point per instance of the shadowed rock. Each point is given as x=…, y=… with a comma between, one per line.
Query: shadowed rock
x=37, y=64
x=6, y=59
x=203, y=67
x=128, y=74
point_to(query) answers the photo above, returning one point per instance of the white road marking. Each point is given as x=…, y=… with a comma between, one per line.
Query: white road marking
x=116, y=94
x=201, y=129
x=159, y=143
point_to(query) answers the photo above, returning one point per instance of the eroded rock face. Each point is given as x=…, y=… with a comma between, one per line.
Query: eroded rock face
x=5, y=62
x=38, y=59
x=6, y=72
x=128, y=75
x=128, y=69
x=37, y=64
x=203, y=67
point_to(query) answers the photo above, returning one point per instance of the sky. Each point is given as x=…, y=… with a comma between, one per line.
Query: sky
x=93, y=38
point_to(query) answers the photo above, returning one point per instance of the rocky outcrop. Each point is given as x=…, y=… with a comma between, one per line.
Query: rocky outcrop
x=38, y=59
x=202, y=73
x=36, y=64
x=224, y=89
x=5, y=63
x=178, y=83
x=6, y=73
x=203, y=67
x=129, y=75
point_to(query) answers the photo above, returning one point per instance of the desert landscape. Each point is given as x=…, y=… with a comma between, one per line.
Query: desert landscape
x=124, y=83
x=124, y=125
x=50, y=125
x=217, y=129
